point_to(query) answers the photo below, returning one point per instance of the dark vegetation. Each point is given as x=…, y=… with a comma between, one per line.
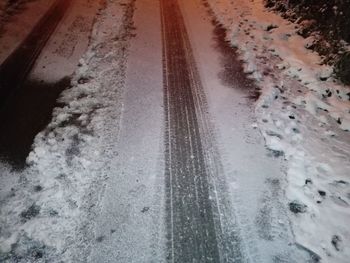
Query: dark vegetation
x=328, y=21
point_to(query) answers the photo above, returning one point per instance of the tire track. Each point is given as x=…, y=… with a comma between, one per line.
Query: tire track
x=194, y=215
x=15, y=68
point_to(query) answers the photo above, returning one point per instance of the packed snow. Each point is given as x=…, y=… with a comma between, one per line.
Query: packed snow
x=304, y=115
x=131, y=223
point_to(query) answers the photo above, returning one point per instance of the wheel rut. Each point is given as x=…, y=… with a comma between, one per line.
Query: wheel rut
x=195, y=231
x=16, y=67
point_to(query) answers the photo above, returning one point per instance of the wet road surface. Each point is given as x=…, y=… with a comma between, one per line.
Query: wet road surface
x=193, y=217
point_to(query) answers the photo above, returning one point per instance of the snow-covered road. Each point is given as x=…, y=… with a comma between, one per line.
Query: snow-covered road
x=155, y=152
x=130, y=225
x=192, y=178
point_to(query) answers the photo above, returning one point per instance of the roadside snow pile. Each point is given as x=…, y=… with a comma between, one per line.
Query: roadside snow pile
x=47, y=209
x=304, y=115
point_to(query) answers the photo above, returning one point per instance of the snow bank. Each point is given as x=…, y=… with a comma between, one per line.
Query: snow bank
x=304, y=115
x=47, y=209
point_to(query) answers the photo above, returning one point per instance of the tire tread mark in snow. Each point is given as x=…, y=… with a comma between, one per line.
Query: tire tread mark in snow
x=193, y=219
x=15, y=68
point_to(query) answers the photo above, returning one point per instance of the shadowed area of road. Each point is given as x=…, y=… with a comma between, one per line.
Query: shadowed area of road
x=27, y=113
